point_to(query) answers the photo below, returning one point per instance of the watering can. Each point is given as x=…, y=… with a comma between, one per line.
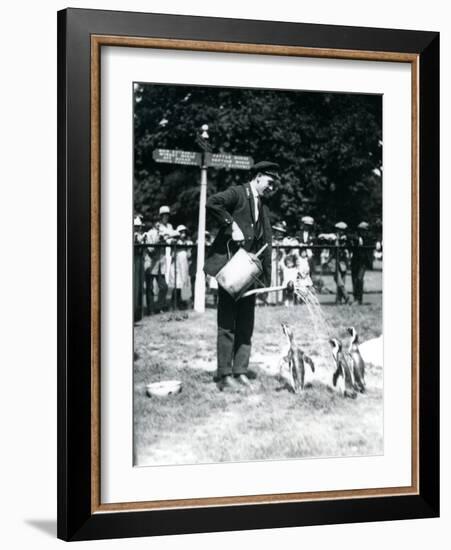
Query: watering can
x=241, y=272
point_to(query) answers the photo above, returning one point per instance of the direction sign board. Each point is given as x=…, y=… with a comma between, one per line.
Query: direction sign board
x=224, y=160
x=177, y=157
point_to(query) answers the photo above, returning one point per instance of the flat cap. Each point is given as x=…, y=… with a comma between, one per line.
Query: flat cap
x=363, y=225
x=308, y=220
x=266, y=167
x=164, y=210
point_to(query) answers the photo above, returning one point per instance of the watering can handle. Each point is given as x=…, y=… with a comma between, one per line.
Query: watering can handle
x=262, y=249
x=228, y=249
x=229, y=255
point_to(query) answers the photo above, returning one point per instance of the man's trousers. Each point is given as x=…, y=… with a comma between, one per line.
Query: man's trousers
x=358, y=273
x=162, y=292
x=235, y=328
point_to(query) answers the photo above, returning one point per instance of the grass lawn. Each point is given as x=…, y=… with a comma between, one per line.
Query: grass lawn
x=202, y=424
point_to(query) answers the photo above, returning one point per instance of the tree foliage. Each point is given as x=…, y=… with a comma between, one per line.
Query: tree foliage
x=328, y=145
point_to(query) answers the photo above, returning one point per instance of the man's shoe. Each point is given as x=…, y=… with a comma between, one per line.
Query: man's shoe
x=228, y=382
x=244, y=381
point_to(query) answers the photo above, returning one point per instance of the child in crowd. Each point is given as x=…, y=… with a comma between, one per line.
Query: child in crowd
x=295, y=276
x=289, y=278
x=304, y=280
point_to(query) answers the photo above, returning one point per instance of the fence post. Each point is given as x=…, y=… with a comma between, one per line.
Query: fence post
x=337, y=250
x=174, y=259
x=138, y=283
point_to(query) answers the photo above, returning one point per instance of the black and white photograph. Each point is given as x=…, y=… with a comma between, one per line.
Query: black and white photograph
x=257, y=274
x=228, y=217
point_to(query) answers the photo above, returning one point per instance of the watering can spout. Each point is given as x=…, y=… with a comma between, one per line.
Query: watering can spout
x=263, y=290
x=262, y=249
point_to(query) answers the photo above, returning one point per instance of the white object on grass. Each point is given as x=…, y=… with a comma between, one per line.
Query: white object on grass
x=164, y=388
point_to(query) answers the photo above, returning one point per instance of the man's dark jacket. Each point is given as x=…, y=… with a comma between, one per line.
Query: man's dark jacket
x=236, y=204
x=361, y=256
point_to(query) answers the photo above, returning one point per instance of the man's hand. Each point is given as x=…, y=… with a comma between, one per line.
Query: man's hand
x=237, y=234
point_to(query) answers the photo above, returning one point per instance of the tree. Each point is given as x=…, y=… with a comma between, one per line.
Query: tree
x=328, y=145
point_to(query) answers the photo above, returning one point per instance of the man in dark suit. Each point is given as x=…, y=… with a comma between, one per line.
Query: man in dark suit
x=243, y=220
x=361, y=261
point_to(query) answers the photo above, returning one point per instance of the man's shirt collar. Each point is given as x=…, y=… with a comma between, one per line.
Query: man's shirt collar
x=253, y=190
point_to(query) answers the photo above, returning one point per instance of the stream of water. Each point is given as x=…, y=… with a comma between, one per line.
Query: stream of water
x=321, y=325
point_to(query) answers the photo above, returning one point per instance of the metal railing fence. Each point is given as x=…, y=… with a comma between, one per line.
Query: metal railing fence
x=167, y=252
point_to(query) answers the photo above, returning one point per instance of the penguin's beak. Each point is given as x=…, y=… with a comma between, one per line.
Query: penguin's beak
x=332, y=343
x=349, y=329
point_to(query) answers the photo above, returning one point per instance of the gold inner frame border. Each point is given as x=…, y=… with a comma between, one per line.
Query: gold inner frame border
x=97, y=41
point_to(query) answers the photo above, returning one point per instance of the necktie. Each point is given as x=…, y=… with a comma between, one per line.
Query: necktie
x=256, y=207
x=258, y=211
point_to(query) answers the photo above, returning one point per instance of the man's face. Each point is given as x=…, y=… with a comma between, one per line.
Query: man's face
x=264, y=184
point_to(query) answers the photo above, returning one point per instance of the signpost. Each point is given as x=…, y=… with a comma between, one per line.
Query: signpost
x=224, y=160
x=173, y=156
x=204, y=160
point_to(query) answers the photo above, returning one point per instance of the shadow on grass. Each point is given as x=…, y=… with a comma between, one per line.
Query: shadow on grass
x=251, y=374
x=309, y=386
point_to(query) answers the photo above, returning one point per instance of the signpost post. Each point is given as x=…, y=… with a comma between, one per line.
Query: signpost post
x=204, y=160
x=199, y=286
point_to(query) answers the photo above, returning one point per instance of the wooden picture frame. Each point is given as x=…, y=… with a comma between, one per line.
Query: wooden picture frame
x=81, y=35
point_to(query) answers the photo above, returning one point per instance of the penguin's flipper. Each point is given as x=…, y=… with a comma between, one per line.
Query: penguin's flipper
x=310, y=362
x=358, y=383
x=362, y=386
x=335, y=376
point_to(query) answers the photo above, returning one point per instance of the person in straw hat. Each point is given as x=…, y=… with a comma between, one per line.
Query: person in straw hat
x=307, y=237
x=138, y=229
x=277, y=258
x=179, y=276
x=159, y=260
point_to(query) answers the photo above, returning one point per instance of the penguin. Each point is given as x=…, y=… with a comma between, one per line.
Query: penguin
x=358, y=364
x=296, y=359
x=342, y=369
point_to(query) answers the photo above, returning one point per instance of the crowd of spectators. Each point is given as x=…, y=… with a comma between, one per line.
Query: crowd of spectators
x=305, y=258
x=301, y=258
x=166, y=268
